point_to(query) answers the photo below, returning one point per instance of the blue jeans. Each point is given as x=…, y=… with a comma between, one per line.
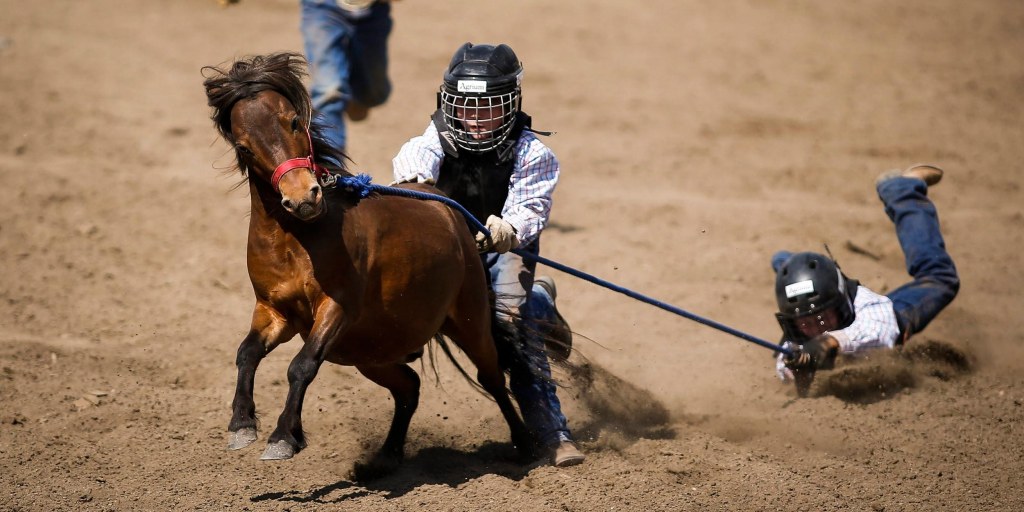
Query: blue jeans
x=935, y=282
x=348, y=60
x=529, y=374
x=917, y=227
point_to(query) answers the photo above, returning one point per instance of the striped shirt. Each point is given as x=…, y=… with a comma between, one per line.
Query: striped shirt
x=874, y=326
x=534, y=177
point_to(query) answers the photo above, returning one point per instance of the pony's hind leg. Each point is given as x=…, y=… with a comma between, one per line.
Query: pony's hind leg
x=268, y=330
x=404, y=385
x=475, y=339
x=490, y=376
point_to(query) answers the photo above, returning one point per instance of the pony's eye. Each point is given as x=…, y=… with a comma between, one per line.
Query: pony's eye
x=295, y=124
x=242, y=149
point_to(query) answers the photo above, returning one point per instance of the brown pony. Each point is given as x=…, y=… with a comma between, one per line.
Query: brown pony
x=365, y=282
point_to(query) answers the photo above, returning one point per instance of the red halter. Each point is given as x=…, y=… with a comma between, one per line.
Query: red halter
x=321, y=173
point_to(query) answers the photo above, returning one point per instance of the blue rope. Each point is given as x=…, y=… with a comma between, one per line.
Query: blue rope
x=654, y=302
x=361, y=184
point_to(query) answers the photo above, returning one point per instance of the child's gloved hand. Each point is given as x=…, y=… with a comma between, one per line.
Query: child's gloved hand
x=503, y=236
x=818, y=353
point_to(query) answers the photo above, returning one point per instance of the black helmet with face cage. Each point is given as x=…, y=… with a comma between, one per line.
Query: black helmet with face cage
x=482, y=83
x=811, y=291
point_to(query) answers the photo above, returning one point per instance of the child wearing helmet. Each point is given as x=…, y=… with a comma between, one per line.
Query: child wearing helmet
x=823, y=313
x=480, y=150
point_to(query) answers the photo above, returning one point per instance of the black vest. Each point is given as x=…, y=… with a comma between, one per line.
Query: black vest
x=478, y=181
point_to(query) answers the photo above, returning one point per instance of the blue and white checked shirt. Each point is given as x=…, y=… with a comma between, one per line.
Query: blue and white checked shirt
x=534, y=177
x=874, y=326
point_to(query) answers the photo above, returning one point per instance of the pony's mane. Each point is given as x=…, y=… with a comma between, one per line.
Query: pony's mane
x=281, y=72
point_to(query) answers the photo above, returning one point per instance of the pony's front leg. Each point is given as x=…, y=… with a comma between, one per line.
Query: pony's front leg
x=269, y=329
x=404, y=385
x=288, y=438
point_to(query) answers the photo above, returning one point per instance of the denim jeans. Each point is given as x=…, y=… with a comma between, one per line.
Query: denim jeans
x=917, y=227
x=348, y=60
x=935, y=282
x=530, y=374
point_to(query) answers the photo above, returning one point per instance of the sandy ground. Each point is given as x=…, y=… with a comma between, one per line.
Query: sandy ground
x=696, y=137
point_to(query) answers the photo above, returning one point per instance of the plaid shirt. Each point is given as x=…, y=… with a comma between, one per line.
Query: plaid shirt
x=534, y=177
x=874, y=326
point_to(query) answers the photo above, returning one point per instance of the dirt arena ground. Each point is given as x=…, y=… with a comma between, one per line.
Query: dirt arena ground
x=696, y=138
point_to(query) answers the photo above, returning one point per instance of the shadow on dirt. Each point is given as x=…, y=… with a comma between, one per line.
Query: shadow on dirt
x=429, y=466
x=885, y=374
x=619, y=414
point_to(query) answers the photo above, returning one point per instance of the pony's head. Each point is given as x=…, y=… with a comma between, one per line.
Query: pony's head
x=261, y=107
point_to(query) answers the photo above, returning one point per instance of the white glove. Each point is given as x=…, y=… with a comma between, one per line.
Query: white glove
x=781, y=370
x=503, y=236
x=784, y=373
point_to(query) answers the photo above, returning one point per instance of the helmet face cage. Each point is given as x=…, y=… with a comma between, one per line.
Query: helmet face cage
x=478, y=121
x=802, y=328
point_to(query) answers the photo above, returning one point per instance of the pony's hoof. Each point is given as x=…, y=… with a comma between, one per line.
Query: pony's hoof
x=280, y=450
x=241, y=438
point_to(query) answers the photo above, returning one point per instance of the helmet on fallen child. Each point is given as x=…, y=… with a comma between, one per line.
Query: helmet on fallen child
x=813, y=296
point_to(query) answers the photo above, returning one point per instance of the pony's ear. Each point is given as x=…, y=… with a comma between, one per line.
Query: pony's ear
x=213, y=81
x=215, y=92
x=212, y=90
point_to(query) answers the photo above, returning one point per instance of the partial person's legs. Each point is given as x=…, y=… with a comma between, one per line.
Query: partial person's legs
x=935, y=283
x=369, y=55
x=550, y=324
x=778, y=259
x=530, y=373
x=327, y=36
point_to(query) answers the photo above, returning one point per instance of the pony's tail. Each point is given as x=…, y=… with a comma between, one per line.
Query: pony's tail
x=509, y=342
x=549, y=336
x=442, y=342
x=510, y=336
